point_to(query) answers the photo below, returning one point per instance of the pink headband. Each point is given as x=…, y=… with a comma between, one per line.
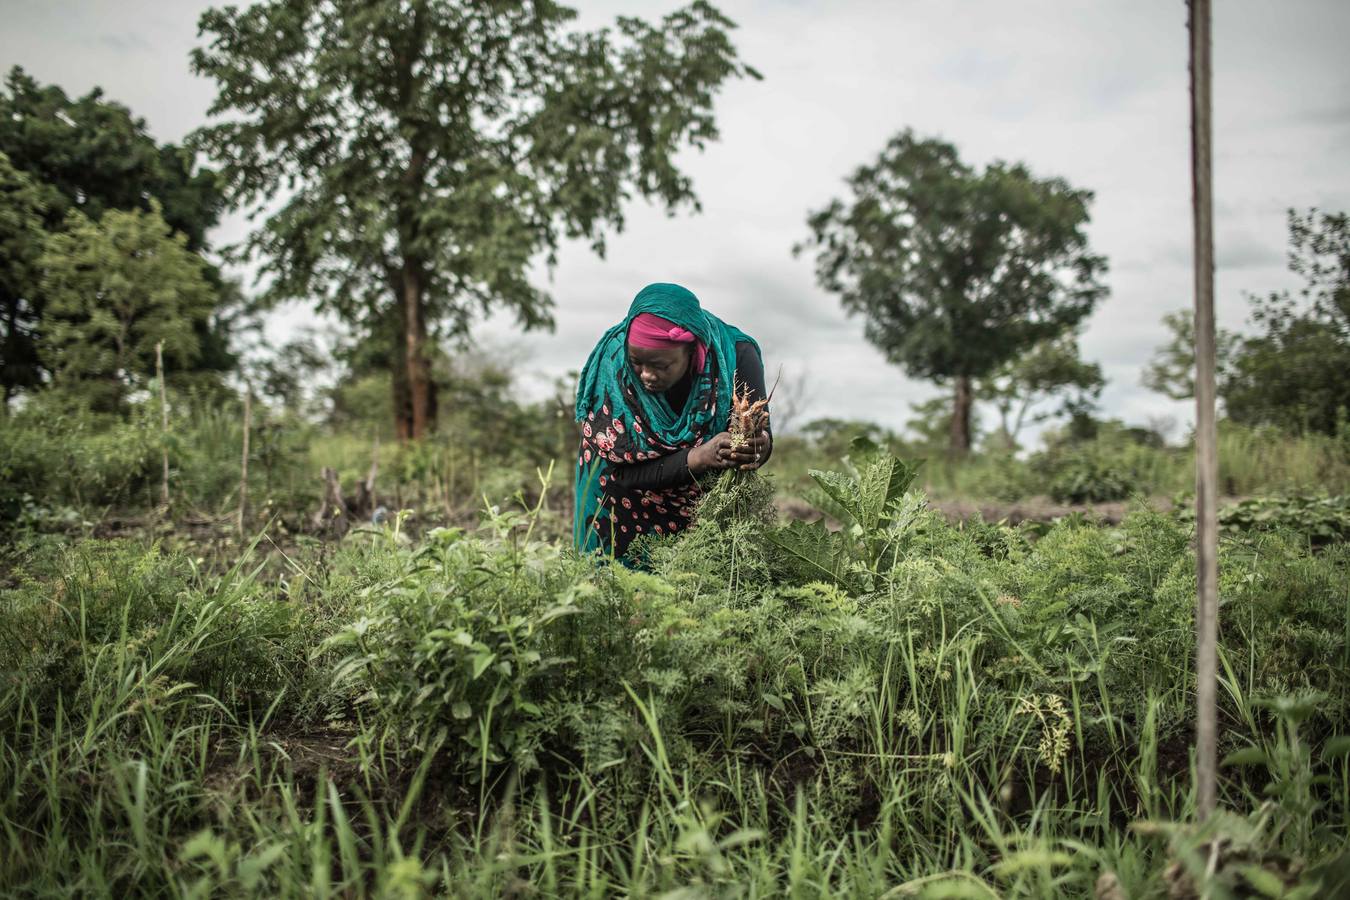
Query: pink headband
x=655, y=333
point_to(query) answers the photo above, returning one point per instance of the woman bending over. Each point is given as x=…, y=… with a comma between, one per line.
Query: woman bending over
x=654, y=401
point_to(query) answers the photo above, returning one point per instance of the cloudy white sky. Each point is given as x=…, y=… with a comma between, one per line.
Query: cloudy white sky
x=1095, y=92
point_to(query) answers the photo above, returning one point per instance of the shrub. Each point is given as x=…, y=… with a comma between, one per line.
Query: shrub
x=1320, y=520
x=1085, y=476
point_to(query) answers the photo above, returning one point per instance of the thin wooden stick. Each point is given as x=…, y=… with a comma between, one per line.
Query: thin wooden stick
x=243, y=459
x=1206, y=436
x=164, y=420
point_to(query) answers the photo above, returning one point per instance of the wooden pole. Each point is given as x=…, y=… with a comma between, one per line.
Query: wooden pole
x=1206, y=437
x=164, y=422
x=243, y=461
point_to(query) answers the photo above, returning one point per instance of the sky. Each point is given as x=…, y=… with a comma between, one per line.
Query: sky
x=1094, y=92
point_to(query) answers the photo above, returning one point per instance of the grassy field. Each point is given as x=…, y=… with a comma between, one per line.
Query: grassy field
x=901, y=707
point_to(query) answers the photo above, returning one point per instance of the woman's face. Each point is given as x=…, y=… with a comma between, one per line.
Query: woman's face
x=659, y=370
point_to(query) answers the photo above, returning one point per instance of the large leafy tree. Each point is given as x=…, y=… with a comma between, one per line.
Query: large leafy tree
x=955, y=271
x=91, y=155
x=413, y=157
x=21, y=239
x=115, y=288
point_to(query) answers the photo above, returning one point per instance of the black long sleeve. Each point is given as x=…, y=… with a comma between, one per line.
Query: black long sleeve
x=656, y=474
x=673, y=469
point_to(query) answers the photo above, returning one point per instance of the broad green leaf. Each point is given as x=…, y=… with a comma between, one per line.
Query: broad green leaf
x=1247, y=756
x=841, y=489
x=812, y=551
x=481, y=661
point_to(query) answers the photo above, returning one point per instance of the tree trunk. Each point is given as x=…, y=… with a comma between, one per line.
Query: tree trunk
x=398, y=383
x=414, y=392
x=243, y=458
x=421, y=394
x=960, y=434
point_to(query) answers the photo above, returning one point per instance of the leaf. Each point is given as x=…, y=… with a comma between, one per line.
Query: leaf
x=1024, y=860
x=481, y=661
x=252, y=867
x=1336, y=747
x=1247, y=756
x=811, y=551
x=553, y=612
x=205, y=843
x=1263, y=880
x=740, y=837
x=841, y=489
x=883, y=480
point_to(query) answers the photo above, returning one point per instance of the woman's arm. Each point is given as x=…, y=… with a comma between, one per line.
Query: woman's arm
x=655, y=474
x=676, y=468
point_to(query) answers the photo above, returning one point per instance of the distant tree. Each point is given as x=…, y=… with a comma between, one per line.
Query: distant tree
x=1171, y=371
x=929, y=426
x=1052, y=370
x=426, y=152
x=21, y=240
x=832, y=436
x=114, y=289
x=92, y=155
x=1319, y=250
x=1295, y=373
x=287, y=375
x=956, y=272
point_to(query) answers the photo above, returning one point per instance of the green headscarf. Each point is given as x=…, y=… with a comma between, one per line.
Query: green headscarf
x=601, y=393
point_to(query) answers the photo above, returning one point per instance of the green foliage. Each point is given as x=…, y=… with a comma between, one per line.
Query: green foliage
x=1051, y=370
x=1321, y=520
x=115, y=288
x=962, y=707
x=102, y=611
x=956, y=272
x=57, y=453
x=1085, y=476
x=90, y=155
x=1291, y=374
x=21, y=240
x=476, y=137
x=455, y=646
x=1171, y=371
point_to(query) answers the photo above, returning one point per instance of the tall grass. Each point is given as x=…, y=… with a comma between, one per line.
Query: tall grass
x=483, y=715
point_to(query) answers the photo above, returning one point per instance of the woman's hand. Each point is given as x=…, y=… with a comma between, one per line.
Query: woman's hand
x=751, y=455
x=711, y=455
